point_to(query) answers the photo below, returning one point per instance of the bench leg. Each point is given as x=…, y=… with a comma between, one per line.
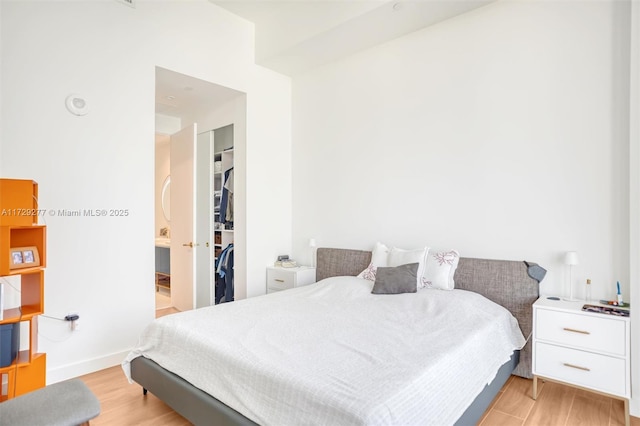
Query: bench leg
x=144, y=391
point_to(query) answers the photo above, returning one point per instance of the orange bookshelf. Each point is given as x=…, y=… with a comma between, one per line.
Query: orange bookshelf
x=18, y=229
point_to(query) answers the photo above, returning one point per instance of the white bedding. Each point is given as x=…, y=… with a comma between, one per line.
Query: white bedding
x=333, y=353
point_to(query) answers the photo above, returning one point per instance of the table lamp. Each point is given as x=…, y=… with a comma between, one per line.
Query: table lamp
x=571, y=259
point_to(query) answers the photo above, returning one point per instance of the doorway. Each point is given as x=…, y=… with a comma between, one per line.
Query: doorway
x=181, y=101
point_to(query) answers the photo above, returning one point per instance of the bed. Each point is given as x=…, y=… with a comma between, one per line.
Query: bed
x=244, y=382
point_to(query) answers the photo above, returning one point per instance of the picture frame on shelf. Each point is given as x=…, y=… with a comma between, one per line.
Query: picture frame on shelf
x=23, y=257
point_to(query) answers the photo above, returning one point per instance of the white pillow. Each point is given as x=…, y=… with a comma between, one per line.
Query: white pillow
x=382, y=256
x=379, y=255
x=399, y=257
x=439, y=270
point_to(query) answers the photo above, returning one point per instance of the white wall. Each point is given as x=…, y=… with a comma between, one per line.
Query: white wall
x=103, y=267
x=500, y=133
x=268, y=178
x=482, y=133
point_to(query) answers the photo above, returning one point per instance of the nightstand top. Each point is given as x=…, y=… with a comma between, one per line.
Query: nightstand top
x=573, y=306
x=294, y=269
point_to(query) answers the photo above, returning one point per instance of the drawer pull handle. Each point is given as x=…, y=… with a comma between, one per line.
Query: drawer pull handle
x=573, y=330
x=577, y=367
x=278, y=280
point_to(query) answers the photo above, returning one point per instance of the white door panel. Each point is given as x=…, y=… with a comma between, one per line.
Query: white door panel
x=203, y=221
x=182, y=217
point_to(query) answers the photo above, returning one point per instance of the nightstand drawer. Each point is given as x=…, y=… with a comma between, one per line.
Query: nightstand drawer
x=280, y=279
x=599, y=372
x=600, y=334
x=286, y=278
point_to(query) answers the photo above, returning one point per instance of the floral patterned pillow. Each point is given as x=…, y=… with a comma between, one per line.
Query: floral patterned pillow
x=440, y=269
x=379, y=256
x=369, y=273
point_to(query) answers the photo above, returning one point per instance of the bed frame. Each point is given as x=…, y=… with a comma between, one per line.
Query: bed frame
x=505, y=282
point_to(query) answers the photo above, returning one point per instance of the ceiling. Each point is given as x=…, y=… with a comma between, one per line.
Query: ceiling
x=297, y=35
x=180, y=95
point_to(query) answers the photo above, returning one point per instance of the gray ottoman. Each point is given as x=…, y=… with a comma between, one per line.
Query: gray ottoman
x=68, y=403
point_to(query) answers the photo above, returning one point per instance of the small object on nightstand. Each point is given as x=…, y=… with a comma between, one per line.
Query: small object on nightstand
x=620, y=302
x=606, y=310
x=587, y=291
x=614, y=303
x=286, y=263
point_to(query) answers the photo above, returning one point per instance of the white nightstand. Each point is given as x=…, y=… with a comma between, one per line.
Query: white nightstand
x=279, y=278
x=583, y=349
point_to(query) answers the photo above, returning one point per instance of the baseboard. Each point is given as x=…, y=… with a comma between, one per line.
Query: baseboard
x=81, y=368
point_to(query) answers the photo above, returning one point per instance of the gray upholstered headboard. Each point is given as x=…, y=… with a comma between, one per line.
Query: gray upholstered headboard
x=505, y=282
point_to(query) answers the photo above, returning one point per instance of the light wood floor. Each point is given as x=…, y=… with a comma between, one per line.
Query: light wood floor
x=556, y=405
x=123, y=404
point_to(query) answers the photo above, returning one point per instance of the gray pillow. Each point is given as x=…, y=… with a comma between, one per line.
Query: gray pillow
x=400, y=279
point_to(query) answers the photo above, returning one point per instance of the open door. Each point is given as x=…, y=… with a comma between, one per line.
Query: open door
x=191, y=265
x=203, y=191
x=182, y=153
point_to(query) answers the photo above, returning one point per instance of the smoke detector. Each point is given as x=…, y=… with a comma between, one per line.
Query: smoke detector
x=76, y=104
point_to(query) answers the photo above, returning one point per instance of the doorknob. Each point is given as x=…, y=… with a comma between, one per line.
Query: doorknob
x=190, y=244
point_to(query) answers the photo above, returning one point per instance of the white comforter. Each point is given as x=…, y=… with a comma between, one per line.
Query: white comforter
x=333, y=353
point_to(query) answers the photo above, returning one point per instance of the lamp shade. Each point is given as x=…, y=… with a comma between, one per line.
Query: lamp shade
x=312, y=242
x=571, y=258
